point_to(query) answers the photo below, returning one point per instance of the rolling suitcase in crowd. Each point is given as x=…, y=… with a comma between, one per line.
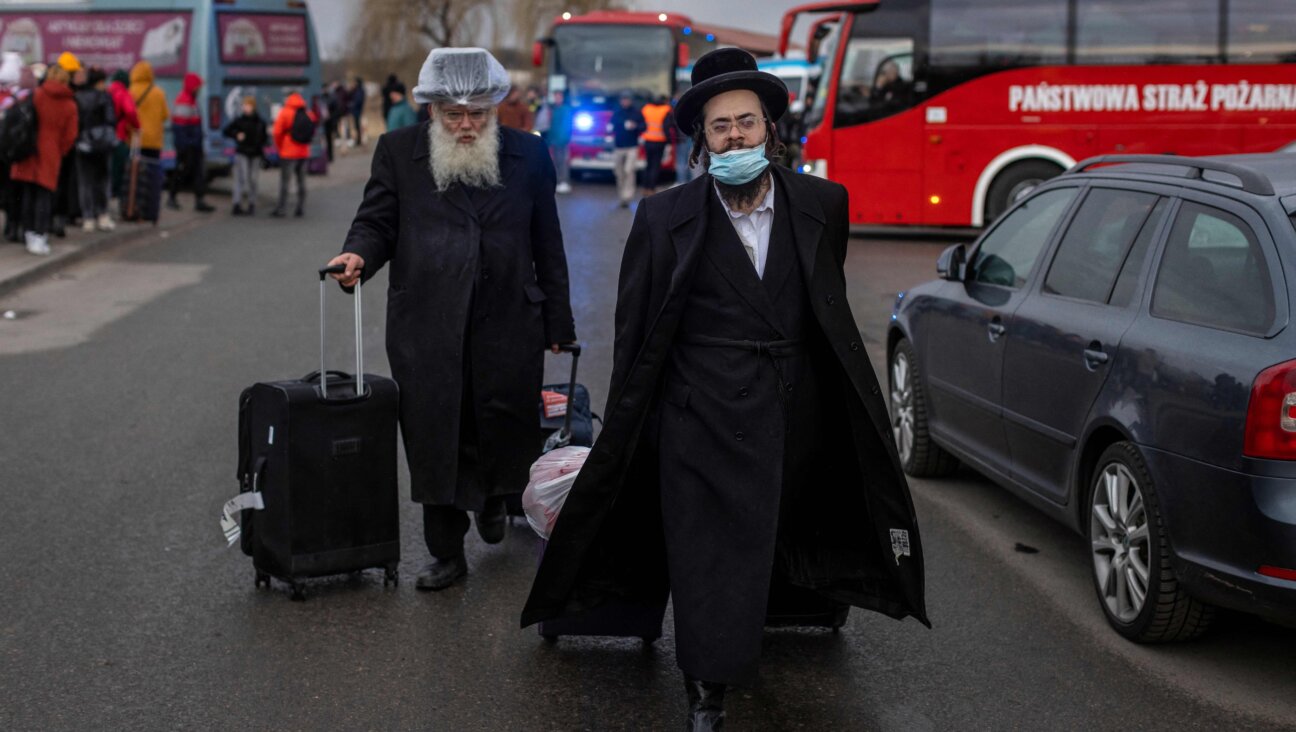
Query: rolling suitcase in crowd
x=317, y=472
x=142, y=193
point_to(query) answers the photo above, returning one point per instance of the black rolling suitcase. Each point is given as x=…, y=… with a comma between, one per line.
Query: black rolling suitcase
x=796, y=607
x=322, y=454
x=142, y=196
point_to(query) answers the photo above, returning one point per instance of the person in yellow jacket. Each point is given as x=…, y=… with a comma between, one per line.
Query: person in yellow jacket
x=151, y=105
x=655, y=116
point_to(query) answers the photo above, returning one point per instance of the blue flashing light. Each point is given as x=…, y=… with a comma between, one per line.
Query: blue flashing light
x=711, y=37
x=584, y=122
x=688, y=31
x=804, y=140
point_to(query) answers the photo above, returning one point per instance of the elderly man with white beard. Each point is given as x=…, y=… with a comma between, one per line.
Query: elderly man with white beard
x=463, y=210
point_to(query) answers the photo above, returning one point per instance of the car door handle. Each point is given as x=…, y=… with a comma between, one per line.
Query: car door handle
x=1094, y=357
x=996, y=329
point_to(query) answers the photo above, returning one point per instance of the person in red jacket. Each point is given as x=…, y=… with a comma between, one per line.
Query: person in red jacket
x=56, y=132
x=127, y=122
x=294, y=149
x=187, y=134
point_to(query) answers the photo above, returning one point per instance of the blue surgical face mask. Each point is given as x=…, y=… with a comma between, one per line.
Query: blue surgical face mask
x=738, y=166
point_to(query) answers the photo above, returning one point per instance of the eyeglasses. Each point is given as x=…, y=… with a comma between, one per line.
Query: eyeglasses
x=455, y=116
x=747, y=124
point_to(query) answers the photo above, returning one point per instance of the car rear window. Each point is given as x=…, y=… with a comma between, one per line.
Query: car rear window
x=1096, y=243
x=1213, y=273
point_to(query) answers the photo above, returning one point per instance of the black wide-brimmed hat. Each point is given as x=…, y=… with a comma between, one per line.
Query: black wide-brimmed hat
x=728, y=69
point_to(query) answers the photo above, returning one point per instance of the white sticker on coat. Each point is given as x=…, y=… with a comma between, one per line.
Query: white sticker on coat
x=899, y=543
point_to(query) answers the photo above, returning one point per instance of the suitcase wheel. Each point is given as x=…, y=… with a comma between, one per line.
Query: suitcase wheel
x=262, y=579
x=391, y=576
x=298, y=592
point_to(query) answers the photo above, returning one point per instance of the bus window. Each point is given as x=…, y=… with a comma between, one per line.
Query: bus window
x=827, y=52
x=876, y=80
x=1261, y=32
x=999, y=34
x=1118, y=32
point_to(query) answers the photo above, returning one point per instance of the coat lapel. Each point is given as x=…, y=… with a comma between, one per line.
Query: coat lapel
x=725, y=250
x=807, y=222
x=456, y=195
x=688, y=227
x=510, y=156
x=778, y=262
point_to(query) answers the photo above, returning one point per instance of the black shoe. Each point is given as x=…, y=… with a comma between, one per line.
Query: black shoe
x=298, y=213
x=706, y=705
x=251, y=209
x=442, y=573
x=203, y=207
x=173, y=204
x=238, y=211
x=278, y=213
x=492, y=521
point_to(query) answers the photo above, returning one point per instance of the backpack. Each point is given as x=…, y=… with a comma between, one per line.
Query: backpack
x=18, y=131
x=303, y=127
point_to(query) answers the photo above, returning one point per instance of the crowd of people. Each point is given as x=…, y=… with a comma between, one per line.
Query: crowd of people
x=85, y=125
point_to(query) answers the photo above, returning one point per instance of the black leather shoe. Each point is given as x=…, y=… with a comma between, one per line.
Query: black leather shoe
x=442, y=573
x=492, y=521
x=706, y=705
x=278, y=213
x=203, y=207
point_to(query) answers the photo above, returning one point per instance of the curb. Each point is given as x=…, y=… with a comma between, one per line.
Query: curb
x=126, y=233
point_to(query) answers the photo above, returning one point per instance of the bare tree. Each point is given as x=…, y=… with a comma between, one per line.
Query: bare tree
x=395, y=35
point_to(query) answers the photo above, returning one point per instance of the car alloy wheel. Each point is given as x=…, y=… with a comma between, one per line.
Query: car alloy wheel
x=1132, y=569
x=1118, y=528
x=902, y=406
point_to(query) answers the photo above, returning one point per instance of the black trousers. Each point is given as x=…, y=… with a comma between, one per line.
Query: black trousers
x=653, y=152
x=38, y=206
x=190, y=167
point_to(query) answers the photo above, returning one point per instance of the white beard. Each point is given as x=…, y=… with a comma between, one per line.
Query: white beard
x=474, y=165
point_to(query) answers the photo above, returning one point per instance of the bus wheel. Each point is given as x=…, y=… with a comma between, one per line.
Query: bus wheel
x=1014, y=182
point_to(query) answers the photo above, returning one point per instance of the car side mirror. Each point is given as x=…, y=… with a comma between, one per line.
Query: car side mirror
x=949, y=265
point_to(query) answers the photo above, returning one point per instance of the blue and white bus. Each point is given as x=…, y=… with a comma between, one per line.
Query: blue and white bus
x=264, y=48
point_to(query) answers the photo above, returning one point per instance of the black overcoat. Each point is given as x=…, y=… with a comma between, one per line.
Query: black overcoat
x=608, y=541
x=477, y=273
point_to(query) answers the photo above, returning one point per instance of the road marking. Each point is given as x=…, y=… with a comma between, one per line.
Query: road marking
x=66, y=311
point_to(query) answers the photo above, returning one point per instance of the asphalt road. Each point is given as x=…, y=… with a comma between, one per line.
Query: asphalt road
x=120, y=607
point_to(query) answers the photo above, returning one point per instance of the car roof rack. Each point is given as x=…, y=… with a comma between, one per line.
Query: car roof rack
x=1252, y=181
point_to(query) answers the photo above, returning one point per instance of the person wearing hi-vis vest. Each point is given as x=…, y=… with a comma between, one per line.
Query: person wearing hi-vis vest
x=655, y=114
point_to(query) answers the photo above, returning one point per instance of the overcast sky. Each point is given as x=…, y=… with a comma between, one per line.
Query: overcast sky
x=333, y=17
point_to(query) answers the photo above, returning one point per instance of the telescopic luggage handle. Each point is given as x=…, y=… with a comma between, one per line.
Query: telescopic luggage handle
x=575, y=350
x=359, y=334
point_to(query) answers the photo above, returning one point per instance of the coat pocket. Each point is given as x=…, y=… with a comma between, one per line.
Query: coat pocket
x=676, y=394
x=534, y=293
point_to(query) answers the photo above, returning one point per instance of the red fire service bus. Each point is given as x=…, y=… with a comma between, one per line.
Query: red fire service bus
x=942, y=112
x=596, y=56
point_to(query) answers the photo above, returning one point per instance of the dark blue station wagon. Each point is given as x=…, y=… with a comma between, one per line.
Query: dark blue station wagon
x=1117, y=351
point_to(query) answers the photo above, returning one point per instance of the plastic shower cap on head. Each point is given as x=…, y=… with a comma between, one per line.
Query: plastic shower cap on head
x=461, y=76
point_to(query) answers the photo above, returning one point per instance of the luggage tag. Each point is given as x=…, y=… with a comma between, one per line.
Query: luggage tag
x=241, y=502
x=555, y=404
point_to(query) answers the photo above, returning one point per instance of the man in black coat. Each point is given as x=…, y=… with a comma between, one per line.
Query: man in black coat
x=747, y=462
x=464, y=212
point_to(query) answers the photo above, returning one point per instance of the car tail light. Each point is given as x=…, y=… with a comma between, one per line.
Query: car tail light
x=1278, y=572
x=213, y=113
x=1271, y=415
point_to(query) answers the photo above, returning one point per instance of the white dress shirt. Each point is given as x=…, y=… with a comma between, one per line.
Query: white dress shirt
x=754, y=228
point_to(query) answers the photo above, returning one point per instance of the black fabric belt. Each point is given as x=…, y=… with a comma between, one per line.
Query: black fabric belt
x=773, y=350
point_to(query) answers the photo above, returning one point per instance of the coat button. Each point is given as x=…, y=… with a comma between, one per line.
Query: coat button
x=743, y=392
x=875, y=390
x=831, y=300
x=854, y=346
x=738, y=436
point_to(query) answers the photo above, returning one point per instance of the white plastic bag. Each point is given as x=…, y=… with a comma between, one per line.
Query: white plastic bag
x=552, y=477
